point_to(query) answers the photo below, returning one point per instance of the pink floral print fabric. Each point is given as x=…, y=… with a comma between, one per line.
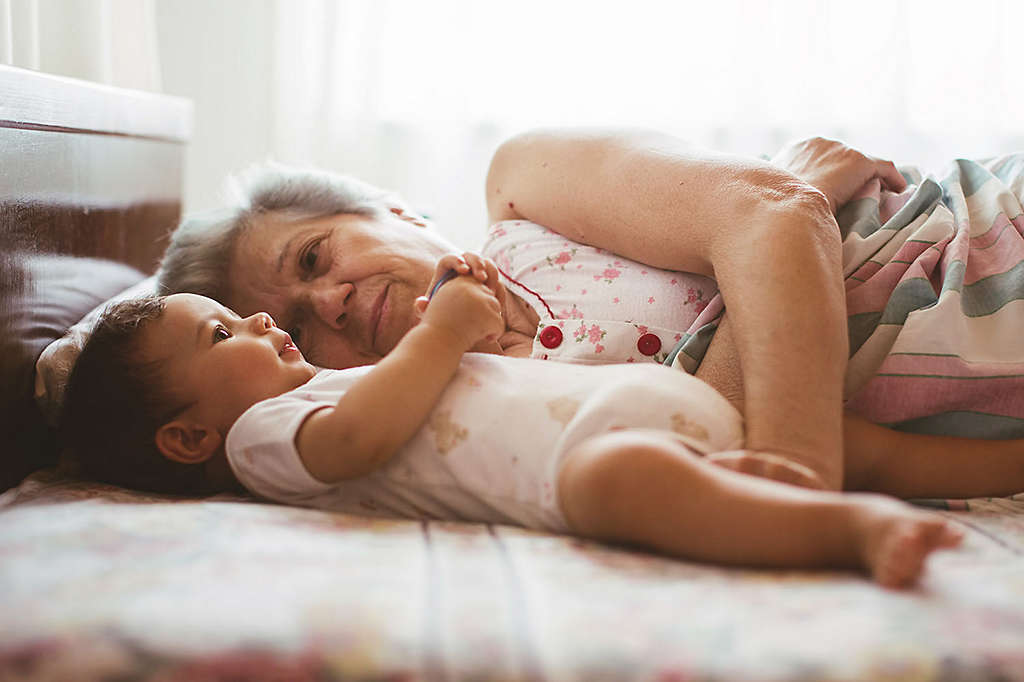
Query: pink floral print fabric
x=602, y=304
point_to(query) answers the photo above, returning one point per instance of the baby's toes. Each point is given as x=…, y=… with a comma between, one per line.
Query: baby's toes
x=948, y=536
x=902, y=556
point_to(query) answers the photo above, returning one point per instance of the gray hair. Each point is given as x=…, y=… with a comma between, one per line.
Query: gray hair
x=199, y=254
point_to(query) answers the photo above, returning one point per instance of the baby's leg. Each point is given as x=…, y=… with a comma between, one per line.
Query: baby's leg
x=646, y=487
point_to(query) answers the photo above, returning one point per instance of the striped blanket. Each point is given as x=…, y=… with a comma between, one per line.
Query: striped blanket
x=935, y=302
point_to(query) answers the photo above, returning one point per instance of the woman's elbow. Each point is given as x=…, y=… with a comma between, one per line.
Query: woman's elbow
x=782, y=190
x=812, y=202
x=795, y=208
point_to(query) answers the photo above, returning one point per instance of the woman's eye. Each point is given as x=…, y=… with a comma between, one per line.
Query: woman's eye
x=307, y=261
x=221, y=334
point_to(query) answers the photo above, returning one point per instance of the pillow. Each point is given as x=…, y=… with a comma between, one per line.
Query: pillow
x=58, y=359
x=42, y=296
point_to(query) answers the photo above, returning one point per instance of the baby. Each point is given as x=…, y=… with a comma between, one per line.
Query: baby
x=180, y=394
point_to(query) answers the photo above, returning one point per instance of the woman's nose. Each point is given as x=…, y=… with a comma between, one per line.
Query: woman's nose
x=330, y=303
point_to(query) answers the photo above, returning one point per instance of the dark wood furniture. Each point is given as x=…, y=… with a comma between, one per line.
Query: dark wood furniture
x=90, y=182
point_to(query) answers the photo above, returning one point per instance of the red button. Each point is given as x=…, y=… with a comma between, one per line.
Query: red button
x=648, y=344
x=551, y=337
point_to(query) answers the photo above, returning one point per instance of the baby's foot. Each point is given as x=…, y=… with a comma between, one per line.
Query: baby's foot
x=896, y=539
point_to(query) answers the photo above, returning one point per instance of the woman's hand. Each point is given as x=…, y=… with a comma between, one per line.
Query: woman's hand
x=837, y=170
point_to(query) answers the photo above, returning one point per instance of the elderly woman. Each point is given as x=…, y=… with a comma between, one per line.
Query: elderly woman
x=338, y=264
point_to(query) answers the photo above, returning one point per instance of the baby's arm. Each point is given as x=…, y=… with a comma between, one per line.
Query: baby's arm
x=386, y=407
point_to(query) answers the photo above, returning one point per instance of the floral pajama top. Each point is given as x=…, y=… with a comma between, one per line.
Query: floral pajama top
x=596, y=307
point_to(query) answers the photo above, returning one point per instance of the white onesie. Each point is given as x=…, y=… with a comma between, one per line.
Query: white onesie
x=491, y=448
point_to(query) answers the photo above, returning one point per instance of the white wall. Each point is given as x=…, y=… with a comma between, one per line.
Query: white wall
x=414, y=95
x=219, y=54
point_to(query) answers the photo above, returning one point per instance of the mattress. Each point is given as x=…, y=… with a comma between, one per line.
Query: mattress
x=102, y=583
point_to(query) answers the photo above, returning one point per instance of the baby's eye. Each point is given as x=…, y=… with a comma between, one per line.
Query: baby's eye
x=308, y=258
x=221, y=333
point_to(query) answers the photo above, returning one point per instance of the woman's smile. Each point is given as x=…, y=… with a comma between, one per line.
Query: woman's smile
x=356, y=302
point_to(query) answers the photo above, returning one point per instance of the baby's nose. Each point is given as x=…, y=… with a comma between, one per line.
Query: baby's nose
x=263, y=321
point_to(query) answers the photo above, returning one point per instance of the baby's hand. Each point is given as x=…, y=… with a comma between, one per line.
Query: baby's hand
x=468, y=263
x=484, y=270
x=768, y=465
x=467, y=309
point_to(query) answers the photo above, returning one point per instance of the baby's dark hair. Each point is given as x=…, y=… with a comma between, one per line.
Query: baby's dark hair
x=117, y=399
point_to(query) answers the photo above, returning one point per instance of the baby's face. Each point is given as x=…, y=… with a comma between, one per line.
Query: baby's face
x=221, y=362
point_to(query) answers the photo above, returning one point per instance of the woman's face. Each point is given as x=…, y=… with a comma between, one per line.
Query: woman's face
x=343, y=285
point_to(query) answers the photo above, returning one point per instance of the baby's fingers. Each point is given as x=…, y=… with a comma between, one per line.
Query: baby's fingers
x=451, y=261
x=493, y=280
x=448, y=266
x=477, y=265
x=767, y=465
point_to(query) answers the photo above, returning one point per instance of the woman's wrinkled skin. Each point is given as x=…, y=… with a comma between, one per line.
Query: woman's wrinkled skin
x=343, y=285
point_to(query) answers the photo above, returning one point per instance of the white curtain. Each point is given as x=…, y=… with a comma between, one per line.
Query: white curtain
x=105, y=41
x=416, y=95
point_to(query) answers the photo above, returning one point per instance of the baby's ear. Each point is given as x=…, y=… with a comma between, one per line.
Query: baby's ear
x=187, y=441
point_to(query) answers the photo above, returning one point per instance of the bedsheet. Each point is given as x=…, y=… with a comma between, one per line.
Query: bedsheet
x=102, y=583
x=935, y=302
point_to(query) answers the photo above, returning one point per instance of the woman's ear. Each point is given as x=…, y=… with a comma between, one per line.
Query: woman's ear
x=187, y=441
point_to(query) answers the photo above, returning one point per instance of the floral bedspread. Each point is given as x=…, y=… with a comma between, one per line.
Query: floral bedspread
x=98, y=583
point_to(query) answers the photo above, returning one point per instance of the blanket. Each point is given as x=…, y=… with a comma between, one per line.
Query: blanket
x=99, y=583
x=935, y=302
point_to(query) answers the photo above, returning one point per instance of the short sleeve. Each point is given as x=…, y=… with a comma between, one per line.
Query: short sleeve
x=261, y=449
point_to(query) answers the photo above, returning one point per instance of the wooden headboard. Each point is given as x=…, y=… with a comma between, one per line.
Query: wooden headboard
x=90, y=187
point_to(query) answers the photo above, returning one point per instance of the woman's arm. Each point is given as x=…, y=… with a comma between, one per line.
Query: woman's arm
x=909, y=465
x=720, y=368
x=877, y=458
x=385, y=408
x=768, y=238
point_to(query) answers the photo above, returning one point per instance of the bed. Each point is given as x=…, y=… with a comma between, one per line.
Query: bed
x=101, y=583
